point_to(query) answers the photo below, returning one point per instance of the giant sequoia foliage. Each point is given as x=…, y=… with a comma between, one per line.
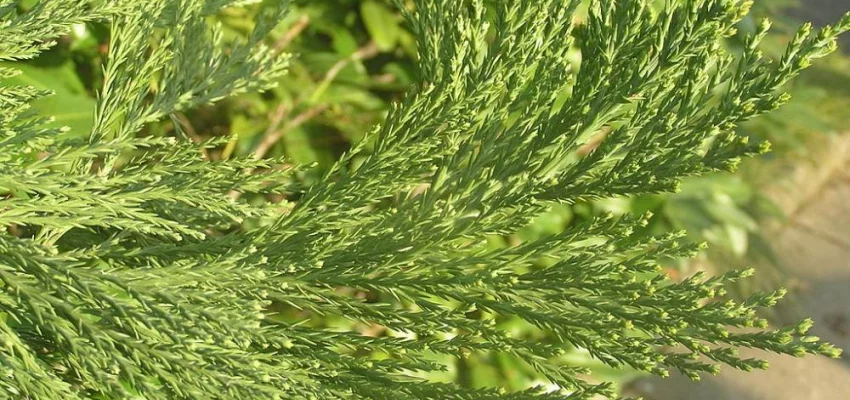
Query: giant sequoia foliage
x=131, y=268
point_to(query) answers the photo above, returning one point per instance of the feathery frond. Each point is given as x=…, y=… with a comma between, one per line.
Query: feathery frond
x=128, y=271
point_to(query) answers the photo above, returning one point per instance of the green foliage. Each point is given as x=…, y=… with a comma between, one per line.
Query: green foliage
x=729, y=212
x=134, y=268
x=69, y=104
x=819, y=95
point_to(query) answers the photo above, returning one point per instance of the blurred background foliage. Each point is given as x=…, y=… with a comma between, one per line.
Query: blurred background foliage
x=353, y=58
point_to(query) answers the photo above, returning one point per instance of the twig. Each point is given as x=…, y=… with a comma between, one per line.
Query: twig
x=366, y=52
x=277, y=128
x=292, y=33
x=270, y=139
x=275, y=131
x=190, y=131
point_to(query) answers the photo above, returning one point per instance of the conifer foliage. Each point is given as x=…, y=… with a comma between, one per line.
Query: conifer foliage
x=129, y=272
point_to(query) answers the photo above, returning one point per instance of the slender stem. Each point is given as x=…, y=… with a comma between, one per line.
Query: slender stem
x=270, y=139
x=292, y=33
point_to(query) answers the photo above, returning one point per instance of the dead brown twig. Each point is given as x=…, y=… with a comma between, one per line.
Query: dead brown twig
x=292, y=33
x=273, y=135
x=189, y=130
x=366, y=52
x=278, y=128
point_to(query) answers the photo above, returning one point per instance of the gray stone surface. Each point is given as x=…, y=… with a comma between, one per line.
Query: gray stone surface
x=816, y=250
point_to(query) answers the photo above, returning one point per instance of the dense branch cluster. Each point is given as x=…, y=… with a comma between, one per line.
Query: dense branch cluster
x=129, y=272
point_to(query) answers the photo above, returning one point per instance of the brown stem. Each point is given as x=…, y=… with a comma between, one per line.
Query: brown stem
x=272, y=137
x=190, y=131
x=277, y=128
x=275, y=131
x=292, y=33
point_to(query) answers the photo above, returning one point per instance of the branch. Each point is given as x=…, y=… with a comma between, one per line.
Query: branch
x=292, y=33
x=273, y=136
x=275, y=131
